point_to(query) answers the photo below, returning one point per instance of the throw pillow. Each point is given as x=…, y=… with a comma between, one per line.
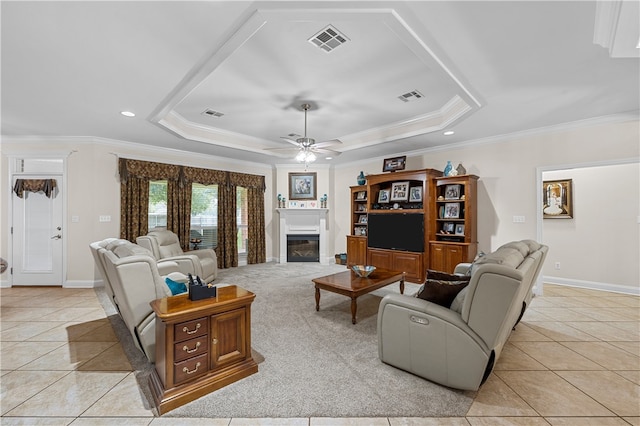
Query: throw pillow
x=175, y=287
x=443, y=276
x=441, y=292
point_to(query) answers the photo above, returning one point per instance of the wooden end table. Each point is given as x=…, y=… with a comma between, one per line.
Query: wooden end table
x=349, y=284
x=201, y=345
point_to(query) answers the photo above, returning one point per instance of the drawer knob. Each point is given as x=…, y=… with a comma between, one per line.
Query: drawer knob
x=186, y=329
x=190, y=351
x=214, y=340
x=186, y=370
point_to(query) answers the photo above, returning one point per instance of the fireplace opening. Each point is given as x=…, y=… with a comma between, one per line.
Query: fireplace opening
x=303, y=248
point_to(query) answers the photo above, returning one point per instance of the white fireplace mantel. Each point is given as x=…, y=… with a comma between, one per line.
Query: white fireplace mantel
x=303, y=222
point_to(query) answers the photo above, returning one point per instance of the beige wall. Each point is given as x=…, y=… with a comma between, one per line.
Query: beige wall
x=93, y=190
x=508, y=170
x=508, y=187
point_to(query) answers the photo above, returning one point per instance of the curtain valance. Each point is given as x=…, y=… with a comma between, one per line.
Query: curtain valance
x=148, y=170
x=186, y=174
x=47, y=186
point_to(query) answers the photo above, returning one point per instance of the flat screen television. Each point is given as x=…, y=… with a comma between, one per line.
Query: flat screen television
x=397, y=231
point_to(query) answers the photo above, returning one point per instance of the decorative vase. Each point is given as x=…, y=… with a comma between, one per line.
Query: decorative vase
x=461, y=170
x=361, y=179
x=448, y=168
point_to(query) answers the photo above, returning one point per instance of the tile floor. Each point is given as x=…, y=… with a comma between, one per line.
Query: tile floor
x=573, y=360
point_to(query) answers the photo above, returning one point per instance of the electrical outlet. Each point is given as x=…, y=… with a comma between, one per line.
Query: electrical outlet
x=105, y=218
x=75, y=219
x=557, y=265
x=518, y=219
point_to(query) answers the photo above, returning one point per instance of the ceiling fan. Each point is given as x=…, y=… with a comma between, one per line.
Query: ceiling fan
x=307, y=147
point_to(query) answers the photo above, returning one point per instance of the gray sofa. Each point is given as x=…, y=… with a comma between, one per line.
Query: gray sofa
x=132, y=279
x=458, y=346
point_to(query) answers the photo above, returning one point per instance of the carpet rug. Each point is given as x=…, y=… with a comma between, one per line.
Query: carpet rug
x=312, y=364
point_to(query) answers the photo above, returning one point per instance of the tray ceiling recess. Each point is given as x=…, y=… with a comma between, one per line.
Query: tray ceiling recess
x=278, y=59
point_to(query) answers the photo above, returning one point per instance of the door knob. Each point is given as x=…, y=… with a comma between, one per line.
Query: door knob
x=56, y=237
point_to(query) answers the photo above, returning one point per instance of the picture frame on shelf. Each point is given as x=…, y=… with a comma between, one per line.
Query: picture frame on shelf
x=557, y=199
x=448, y=228
x=302, y=186
x=361, y=208
x=383, y=196
x=399, y=191
x=452, y=210
x=362, y=219
x=361, y=195
x=393, y=164
x=452, y=192
x=459, y=229
x=415, y=194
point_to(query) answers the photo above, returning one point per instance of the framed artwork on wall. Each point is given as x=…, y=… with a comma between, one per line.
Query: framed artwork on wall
x=557, y=199
x=302, y=186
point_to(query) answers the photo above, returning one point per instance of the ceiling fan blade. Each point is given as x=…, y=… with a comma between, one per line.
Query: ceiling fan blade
x=325, y=151
x=288, y=139
x=286, y=149
x=328, y=143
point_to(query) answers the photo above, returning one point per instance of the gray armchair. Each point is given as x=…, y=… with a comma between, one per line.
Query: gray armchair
x=165, y=245
x=458, y=346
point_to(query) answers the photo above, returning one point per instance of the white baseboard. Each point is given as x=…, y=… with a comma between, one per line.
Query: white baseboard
x=614, y=288
x=81, y=284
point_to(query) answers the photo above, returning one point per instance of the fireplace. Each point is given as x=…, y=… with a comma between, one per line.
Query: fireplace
x=310, y=224
x=303, y=248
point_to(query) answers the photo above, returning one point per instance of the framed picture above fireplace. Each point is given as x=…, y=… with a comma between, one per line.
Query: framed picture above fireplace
x=302, y=186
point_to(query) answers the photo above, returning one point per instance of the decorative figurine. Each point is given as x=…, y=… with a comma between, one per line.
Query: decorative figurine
x=448, y=168
x=361, y=179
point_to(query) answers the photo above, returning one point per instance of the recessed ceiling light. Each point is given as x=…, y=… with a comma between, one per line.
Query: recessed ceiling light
x=127, y=113
x=328, y=158
x=448, y=133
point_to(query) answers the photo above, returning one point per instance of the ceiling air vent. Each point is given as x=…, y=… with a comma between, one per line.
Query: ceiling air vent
x=414, y=95
x=328, y=39
x=212, y=113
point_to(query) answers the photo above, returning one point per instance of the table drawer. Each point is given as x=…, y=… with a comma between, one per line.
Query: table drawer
x=190, y=329
x=190, y=348
x=190, y=368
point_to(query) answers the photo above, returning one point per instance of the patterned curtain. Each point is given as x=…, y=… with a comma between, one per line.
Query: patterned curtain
x=134, y=208
x=48, y=186
x=134, y=200
x=256, y=249
x=134, y=193
x=179, y=210
x=227, y=250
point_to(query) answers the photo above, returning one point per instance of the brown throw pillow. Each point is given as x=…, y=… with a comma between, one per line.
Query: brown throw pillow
x=443, y=276
x=441, y=292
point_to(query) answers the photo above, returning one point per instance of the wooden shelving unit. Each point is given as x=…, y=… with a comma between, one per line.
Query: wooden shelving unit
x=453, y=232
x=357, y=239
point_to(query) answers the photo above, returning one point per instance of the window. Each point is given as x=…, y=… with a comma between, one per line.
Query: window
x=204, y=215
x=157, y=203
x=242, y=215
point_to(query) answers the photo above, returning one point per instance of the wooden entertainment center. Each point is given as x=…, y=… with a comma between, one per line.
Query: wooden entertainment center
x=448, y=235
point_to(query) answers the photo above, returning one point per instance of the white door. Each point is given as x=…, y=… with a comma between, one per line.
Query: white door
x=37, y=235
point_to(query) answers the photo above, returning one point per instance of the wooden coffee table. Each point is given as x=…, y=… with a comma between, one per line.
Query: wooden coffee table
x=349, y=284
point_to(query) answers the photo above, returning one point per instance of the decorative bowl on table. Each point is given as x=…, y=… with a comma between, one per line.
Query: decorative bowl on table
x=363, y=271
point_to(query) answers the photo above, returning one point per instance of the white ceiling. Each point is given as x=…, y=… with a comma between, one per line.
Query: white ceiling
x=484, y=68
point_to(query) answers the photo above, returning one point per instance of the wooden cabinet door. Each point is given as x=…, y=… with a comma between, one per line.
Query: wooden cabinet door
x=380, y=258
x=228, y=338
x=445, y=257
x=411, y=264
x=356, y=250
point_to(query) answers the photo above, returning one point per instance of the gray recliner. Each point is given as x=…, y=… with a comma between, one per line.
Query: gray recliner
x=165, y=245
x=458, y=346
x=134, y=279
